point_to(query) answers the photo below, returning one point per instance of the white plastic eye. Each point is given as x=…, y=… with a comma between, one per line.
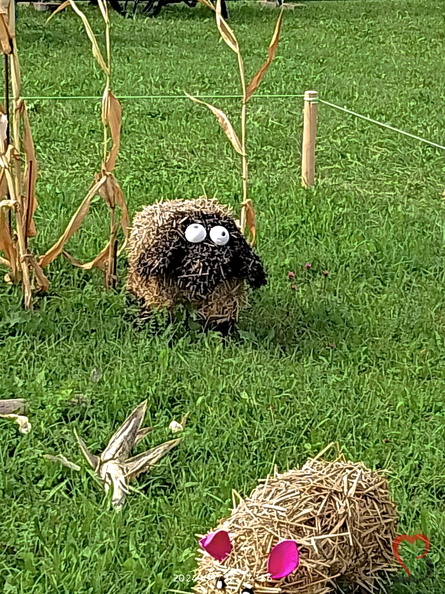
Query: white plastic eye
x=195, y=233
x=219, y=235
x=220, y=584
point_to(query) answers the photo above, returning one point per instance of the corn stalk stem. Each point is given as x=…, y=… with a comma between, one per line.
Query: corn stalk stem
x=7, y=109
x=23, y=255
x=243, y=143
x=7, y=106
x=108, y=75
x=110, y=275
x=21, y=230
x=16, y=85
x=105, y=129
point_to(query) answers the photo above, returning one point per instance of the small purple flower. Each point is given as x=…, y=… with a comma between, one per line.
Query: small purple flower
x=308, y=265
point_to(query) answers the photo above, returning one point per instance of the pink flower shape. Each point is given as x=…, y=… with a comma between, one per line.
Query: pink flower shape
x=283, y=559
x=217, y=544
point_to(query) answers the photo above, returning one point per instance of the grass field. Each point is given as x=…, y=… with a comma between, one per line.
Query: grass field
x=356, y=357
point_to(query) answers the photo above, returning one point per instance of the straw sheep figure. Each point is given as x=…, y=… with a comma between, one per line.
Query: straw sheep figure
x=192, y=252
x=301, y=531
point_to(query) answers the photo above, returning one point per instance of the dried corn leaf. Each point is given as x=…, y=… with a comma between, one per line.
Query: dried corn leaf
x=100, y=261
x=15, y=77
x=113, y=196
x=92, y=459
x=224, y=122
x=59, y=9
x=104, y=11
x=112, y=116
x=73, y=225
x=256, y=80
x=31, y=171
x=250, y=218
x=125, y=217
x=208, y=4
x=141, y=434
x=4, y=7
x=122, y=442
x=3, y=184
x=225, y=31
x=5, y=35
x=6, y=244
x=95, y=46
x=108, y=190
x=40, y=280
x=7, y=204
x=3, y=131
x=141, y=463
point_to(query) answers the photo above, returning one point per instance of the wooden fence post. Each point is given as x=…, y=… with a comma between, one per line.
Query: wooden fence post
x=309, y=134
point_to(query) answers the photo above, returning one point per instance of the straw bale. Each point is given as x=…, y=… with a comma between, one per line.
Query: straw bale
x=341, y=516
x=166, y=270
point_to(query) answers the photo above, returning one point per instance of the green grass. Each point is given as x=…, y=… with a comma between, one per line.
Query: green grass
x=357, y=357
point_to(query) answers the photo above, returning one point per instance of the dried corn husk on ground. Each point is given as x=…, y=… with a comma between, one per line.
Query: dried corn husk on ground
x=21, y=420
x=339, y=514
x=114, y=467
x=14, y=410
x=13, y=406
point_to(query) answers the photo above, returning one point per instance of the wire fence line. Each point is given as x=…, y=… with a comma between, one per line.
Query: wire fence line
x=382, y=124
x=271, y=96
x=69, y=97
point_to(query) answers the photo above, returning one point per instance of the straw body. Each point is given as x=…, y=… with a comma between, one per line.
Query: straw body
x=169, y=266
x=340, y=515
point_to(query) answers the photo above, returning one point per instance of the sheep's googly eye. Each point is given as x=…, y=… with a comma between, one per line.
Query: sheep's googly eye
x=195, y=233
x=220, y=584
x=219, y=235
x=247, y=591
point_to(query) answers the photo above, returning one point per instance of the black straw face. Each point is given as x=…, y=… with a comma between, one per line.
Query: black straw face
x=198, y=251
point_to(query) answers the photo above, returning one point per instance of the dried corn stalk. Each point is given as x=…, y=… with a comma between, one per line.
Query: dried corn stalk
x=18, y=200
x=105, y=183
x=247, y=219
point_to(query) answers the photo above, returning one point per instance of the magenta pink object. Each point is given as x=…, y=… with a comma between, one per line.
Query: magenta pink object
x=283, y=559
x=217, y=544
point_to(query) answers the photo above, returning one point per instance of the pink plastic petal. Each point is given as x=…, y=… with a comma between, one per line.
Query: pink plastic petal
x=283, y=559
x=217, y=544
